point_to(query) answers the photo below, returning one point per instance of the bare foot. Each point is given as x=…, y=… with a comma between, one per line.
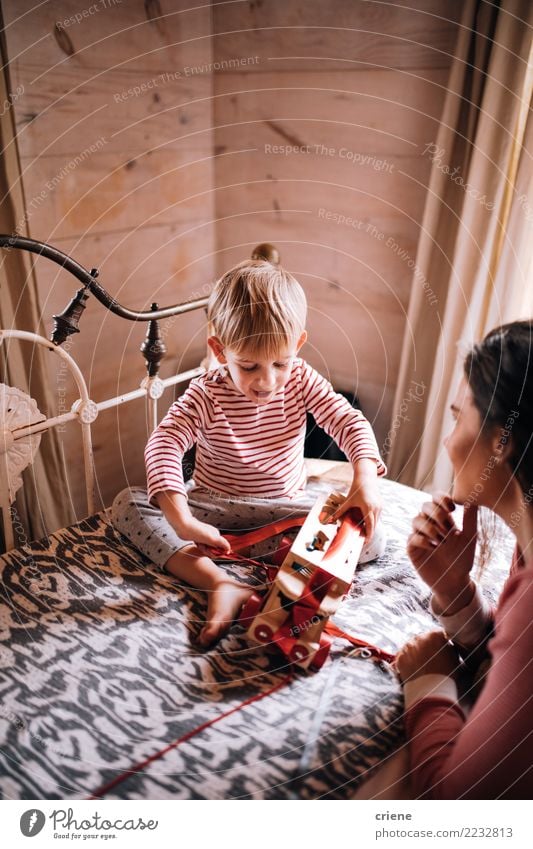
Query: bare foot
x=223, y=605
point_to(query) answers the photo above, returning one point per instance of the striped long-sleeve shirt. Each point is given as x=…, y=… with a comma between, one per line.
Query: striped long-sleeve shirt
x=247, y=449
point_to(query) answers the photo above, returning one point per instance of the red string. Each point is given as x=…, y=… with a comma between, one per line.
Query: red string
x=334, y=631
x=143, y=764
x=238, y=541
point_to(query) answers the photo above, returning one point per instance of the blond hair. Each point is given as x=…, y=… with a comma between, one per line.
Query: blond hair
x=257, y=307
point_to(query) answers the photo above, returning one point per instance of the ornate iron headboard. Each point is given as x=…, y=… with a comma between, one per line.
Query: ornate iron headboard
x=22, y=424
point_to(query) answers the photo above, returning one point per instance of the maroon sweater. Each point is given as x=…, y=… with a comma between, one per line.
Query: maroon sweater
x=489, y=755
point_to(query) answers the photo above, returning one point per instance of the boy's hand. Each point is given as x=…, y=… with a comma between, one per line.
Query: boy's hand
x=364, y=493
x=202, y=534
x=177, y=513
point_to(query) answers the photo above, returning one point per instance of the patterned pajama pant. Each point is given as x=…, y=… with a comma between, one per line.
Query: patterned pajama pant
x=146, y=527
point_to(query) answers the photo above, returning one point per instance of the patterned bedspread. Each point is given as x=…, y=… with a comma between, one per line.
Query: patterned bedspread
x=98, y=671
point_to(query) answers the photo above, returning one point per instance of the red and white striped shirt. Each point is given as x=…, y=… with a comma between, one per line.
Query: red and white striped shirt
x=244, y=448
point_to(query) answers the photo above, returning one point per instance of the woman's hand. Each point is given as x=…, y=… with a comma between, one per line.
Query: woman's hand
x=365, y=495
x=428, y=654
x=442, y=554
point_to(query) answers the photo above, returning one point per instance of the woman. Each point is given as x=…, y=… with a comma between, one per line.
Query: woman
x=488, y=755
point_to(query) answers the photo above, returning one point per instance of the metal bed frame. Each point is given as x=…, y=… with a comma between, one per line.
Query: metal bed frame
x=84, y=410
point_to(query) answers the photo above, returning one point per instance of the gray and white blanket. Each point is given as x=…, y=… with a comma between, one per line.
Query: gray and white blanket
x=98, y=671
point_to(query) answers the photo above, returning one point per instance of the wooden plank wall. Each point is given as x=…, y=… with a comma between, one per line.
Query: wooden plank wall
x=116, y=117
x=322, y=113
x=176, y=137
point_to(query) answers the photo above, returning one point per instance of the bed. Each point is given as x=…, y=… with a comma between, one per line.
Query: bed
x=99, y=673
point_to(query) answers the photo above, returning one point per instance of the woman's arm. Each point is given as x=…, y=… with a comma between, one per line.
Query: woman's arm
x=489, y=755
x=443, y=556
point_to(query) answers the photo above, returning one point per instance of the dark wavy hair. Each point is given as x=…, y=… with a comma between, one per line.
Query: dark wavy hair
x=499, y=372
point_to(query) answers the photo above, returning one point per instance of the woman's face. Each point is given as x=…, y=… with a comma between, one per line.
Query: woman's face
x=477, y=473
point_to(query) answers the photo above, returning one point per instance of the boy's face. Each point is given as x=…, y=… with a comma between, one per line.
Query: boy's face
x=258, y=378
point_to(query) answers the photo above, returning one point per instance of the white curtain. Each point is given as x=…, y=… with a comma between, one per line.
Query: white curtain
x=473, y=266
x=42, y=504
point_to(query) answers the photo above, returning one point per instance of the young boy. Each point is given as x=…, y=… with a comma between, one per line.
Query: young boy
x=247, y=418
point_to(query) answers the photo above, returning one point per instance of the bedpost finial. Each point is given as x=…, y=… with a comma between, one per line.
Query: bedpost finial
x=153, y=348
x=267, y=252
x=67, y=321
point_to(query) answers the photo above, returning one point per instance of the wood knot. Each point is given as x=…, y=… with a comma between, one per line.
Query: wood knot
x=63, y=40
